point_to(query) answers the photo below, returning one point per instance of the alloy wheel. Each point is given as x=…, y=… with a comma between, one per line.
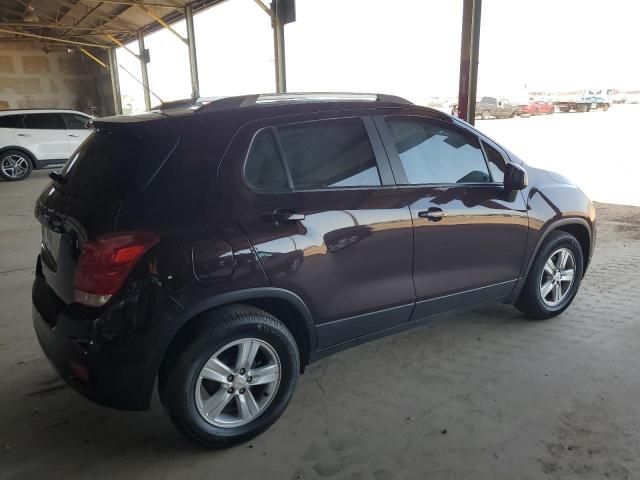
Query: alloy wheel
x=238, y=383
x=15, y=166
x=557, y=277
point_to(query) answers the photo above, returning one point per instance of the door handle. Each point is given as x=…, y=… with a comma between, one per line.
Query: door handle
x=22, y=134
x=281, y=215
x=433, y=214
x=73, y=135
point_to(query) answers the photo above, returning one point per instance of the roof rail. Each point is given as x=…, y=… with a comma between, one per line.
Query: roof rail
x=38, y=108
x=228, y=103
x=184, y=103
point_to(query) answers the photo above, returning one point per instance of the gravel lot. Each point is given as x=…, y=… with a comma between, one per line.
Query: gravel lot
x=484, y=395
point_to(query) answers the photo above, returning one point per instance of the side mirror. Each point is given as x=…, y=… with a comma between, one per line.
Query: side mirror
x=515, y=177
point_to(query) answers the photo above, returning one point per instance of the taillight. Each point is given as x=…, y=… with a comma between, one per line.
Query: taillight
x=106, y=262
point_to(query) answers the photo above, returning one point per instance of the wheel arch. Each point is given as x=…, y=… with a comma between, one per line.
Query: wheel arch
x=283, y=304
x=30, y=155
x=578, y=227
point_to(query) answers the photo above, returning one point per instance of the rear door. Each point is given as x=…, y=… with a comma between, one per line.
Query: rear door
x=44, y=135
x=77, y=129
x=470, y=235
x=317, y=199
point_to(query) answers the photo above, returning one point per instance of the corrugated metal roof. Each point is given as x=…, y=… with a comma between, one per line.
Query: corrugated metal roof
x=88, y=21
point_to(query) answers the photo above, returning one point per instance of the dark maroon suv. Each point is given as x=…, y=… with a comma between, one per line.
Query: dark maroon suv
x=222, y=247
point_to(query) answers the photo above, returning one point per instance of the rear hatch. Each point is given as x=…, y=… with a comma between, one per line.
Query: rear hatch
x=114, y=165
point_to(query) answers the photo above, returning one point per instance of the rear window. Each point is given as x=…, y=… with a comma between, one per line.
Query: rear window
x=112, y=162
x=44, y=121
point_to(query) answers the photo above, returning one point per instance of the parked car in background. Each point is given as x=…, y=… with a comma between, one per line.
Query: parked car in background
x=34, y=139
x=217, y=267
x=536, y=107
x=499, y=107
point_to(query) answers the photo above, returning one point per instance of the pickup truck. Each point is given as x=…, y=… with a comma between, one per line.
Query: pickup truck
x=499, y=107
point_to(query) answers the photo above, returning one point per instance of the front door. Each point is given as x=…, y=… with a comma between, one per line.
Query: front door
x=469, y=234
x=77, y=129
x=44, y=135
x=318, y=202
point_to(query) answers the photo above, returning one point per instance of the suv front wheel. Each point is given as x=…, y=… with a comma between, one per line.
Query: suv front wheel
x=14, y=165
x=229, y=376
x=554, y=278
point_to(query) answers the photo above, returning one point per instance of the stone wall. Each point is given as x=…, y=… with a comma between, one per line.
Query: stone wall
x=32, y=76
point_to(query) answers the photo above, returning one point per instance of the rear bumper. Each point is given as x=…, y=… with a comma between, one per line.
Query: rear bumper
x=101, y=373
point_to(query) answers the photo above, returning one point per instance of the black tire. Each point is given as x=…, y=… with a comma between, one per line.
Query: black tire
x=209, y=333
x=11, y=174
x=530, y=301
x=485, y=115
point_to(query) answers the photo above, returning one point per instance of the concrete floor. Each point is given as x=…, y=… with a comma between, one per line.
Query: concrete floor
x=482, y=395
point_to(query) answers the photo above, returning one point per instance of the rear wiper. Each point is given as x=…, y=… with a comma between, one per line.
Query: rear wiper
x=57, y=177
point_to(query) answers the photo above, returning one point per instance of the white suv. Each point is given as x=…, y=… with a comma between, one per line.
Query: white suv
x=38, y=138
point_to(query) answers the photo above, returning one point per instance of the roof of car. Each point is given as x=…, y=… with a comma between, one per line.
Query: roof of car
x=19, y=111
x=267, y=105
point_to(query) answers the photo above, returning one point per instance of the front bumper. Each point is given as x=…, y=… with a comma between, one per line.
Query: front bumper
x=103, y=373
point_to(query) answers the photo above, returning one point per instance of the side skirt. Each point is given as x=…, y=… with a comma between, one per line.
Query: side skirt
x=424, y=312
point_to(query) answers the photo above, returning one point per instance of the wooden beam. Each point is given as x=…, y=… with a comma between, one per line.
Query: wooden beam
x=53, y=39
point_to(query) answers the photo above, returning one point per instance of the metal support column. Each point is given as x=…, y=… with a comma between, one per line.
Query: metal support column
x=278, y=50
x=143, y=68
x=469, y=51
x=115, y=82
x=193, y=58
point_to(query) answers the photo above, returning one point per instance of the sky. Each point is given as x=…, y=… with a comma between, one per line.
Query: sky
x=405, y=47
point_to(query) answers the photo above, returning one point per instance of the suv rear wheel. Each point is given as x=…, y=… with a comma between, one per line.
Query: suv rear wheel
x=554, y=278
x=230, y=376
x=14, y=165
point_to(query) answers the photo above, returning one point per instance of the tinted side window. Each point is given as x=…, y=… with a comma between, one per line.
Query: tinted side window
x=434, y=153
x=496, y=163
x=74, y=121
x=11, y=121
x=316, y=155
x=44, y=121
x=329, y=153
x=264, y=169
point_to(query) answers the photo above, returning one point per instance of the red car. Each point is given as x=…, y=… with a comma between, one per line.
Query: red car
x=535, y=107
